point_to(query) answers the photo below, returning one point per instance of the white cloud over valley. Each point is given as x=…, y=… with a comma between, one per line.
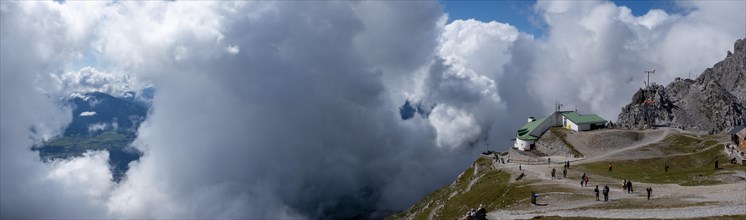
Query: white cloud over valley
x=290, y=109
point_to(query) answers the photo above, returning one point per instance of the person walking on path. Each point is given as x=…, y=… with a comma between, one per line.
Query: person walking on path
x=549, y=160
x=519, y=167
x=610, y=167
x=564, y=173
x=553, y=171
x=606, y=193
x=666, y=166
x=582, y=179
x=586, y=180
x=624, y=185
x=596, y=191
x=716, y=165
x=629, y=187
x=650, y=191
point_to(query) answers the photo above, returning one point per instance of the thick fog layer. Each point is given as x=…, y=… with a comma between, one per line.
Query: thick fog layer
x=291, y=109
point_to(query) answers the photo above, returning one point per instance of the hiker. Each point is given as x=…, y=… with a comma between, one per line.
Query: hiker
x=582, y=179
x=519, y=167
x=553, y=170
x=586, y=180
x=716, y=164
x=549, y=160
x=666, y=166
x=564, y=173
x=609, y=167
x=629, y=186
x=650, y=191
x=568, y=164
x=624, y=185
x=606, y=193
x=596, y=191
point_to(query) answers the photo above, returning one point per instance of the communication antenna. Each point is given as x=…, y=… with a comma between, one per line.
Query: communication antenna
x=649, y=72
x=647, y=105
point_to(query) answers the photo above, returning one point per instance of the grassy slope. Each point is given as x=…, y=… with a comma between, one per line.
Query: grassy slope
x=493, y=190
x=691, y=161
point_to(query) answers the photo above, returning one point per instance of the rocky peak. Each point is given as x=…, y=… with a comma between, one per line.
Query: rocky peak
x=713, y=102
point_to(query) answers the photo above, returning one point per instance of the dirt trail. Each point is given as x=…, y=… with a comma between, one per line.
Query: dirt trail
x=677, y=201
x=663, y=136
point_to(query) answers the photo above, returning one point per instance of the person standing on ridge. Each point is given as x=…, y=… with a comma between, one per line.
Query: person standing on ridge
x=606, y=193
x=650, y=191
x=596, y=191
x=610, y=167
x=553, y=171
x=564, y=173
x=629, y=187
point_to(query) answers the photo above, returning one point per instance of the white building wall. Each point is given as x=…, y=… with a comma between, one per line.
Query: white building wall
x=523, y=145
x=571, y=125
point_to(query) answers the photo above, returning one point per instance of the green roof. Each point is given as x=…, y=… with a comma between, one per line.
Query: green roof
x=525, y=132
x=583, y=119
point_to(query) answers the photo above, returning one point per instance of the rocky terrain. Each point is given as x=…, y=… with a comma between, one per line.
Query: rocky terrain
x=713, y=102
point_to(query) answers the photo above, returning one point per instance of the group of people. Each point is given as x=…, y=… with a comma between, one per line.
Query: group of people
x=605, y=192
x=627, y=185
x=554, y=171
x=500, y=160
x=476, y=214
x=584, y=180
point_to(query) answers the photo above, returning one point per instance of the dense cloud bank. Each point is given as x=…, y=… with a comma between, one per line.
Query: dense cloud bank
x=291, y=110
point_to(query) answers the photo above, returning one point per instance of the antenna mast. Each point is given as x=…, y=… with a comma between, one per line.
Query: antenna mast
x=649, y=100
x=649, y=72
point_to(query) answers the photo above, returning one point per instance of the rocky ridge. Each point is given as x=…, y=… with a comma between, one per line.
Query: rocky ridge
x=713, y=102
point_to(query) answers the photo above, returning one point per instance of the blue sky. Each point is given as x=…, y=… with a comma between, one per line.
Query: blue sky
x=520, y=13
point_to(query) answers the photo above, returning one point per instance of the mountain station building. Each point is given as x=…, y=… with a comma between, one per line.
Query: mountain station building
x=534, y=128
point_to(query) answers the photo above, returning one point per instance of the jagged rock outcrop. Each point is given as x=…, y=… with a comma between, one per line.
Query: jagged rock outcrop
x=713, y=102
